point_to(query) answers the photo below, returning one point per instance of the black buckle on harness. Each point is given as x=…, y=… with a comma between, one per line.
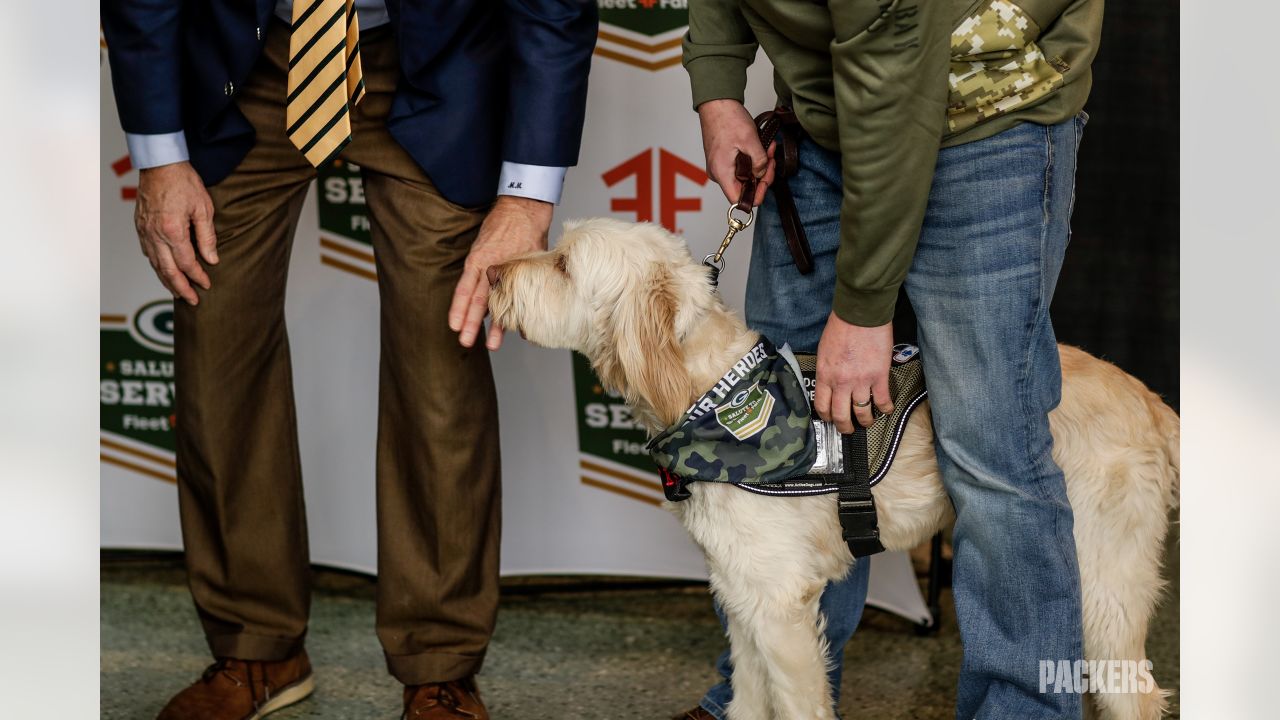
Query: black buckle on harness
x=860, y=528
x=857, y=507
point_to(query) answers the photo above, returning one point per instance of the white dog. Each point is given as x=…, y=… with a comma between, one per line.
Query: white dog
x=631, y=299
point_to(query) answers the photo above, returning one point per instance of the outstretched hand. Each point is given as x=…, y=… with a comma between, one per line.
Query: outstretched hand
x=515, y=226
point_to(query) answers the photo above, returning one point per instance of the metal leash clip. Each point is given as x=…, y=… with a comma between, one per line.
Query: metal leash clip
x=745, y=208
x=715, y=260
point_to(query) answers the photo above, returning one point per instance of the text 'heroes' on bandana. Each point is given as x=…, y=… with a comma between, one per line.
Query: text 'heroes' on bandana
x=751, y=427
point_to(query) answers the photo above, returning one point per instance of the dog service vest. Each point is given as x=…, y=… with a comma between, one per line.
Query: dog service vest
x=755, y=429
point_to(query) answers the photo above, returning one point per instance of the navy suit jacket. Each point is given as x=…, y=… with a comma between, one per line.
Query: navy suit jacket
x=482, y=81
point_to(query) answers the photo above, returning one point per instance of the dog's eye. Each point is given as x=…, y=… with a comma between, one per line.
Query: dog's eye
x=562, y=264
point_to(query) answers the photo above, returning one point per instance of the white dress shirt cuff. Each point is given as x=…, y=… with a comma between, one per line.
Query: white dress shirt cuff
x=538, y=182
x=148, y=151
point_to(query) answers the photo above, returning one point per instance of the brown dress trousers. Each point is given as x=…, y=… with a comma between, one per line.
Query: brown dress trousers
x=239, y=477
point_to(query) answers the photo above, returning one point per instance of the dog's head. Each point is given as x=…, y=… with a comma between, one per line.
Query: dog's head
x=625, y=295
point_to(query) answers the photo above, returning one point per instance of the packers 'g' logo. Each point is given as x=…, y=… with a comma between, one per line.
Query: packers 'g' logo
x=747, y=412
x=152, y=326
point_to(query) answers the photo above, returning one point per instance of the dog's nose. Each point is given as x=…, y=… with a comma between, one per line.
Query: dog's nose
x=493, y=274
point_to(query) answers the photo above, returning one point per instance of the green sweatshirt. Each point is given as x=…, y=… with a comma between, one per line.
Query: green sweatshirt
x=887, y=83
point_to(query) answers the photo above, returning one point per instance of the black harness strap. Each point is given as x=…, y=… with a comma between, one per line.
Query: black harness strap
x=857, y=506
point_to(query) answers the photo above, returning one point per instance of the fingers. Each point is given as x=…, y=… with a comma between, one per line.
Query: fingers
x=477, y=308
x=861, y=395
x=184, y=256
x=206, y=238
x=841, y=409
x=822, y=401
x=167, y=244
x=167, y=270
x=760, y=164
x=724, y=171
x=771, y=170
x=763, y=187
x=495, y=336
x=723, y=175
x=462, y=296
x=732, y=189
x=880, y=393
x=759, y=158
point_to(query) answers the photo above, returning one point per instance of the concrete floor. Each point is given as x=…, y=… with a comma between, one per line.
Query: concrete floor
x=561, y=650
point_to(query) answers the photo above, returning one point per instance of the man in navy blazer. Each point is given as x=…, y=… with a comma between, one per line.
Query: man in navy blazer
x=446, y=105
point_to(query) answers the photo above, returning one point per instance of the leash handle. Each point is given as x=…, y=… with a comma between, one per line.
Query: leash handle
x=744, y=174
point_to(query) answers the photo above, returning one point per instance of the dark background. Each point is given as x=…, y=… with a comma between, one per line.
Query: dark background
x=1118, y=293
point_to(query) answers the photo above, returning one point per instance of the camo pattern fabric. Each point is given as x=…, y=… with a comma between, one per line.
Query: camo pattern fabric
x=996, y=65
x=752, y=427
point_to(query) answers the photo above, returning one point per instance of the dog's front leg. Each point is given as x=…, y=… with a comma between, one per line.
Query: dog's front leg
x=790, y=640
x=778, y=651
x=771, y=558
x=750, y=677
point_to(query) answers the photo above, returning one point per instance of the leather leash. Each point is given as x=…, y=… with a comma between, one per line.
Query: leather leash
x=778, y=125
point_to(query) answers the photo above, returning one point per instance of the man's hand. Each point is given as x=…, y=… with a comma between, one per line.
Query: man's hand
x=171, y=201
x=727, y=129
x=515, y=226
x=853, y=366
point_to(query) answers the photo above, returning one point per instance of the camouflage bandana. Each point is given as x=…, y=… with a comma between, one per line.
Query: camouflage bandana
x=752, y=427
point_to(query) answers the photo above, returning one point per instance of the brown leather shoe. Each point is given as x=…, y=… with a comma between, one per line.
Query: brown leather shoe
x=453, y=700
x=695, y=714
x=233, y=689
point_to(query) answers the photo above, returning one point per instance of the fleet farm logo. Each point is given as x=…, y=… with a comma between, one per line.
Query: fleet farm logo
x=642, y=33
x=345, y=242
x=611, y=444
x=136, y=392
x=660, y=197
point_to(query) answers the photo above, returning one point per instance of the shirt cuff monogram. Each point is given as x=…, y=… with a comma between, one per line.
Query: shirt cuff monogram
x=537, y=182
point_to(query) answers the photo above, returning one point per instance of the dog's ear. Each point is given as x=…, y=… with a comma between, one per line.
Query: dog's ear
x=644, y=359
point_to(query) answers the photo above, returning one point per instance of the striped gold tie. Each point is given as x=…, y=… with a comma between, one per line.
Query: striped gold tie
x=325, y=80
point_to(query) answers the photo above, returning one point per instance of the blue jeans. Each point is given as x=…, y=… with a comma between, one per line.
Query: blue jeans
x=992, y=243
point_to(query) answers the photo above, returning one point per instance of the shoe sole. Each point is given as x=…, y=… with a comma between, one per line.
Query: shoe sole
x=294, y=693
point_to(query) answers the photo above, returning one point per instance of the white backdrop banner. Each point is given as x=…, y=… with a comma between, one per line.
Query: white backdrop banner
x=579, y=493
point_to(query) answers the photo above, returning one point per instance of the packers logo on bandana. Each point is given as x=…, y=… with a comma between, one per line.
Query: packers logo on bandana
x=753, y=427
x=746, y=414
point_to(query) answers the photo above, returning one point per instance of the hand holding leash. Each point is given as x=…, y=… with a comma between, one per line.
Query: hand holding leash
x=778, y=130
x=727, y=131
